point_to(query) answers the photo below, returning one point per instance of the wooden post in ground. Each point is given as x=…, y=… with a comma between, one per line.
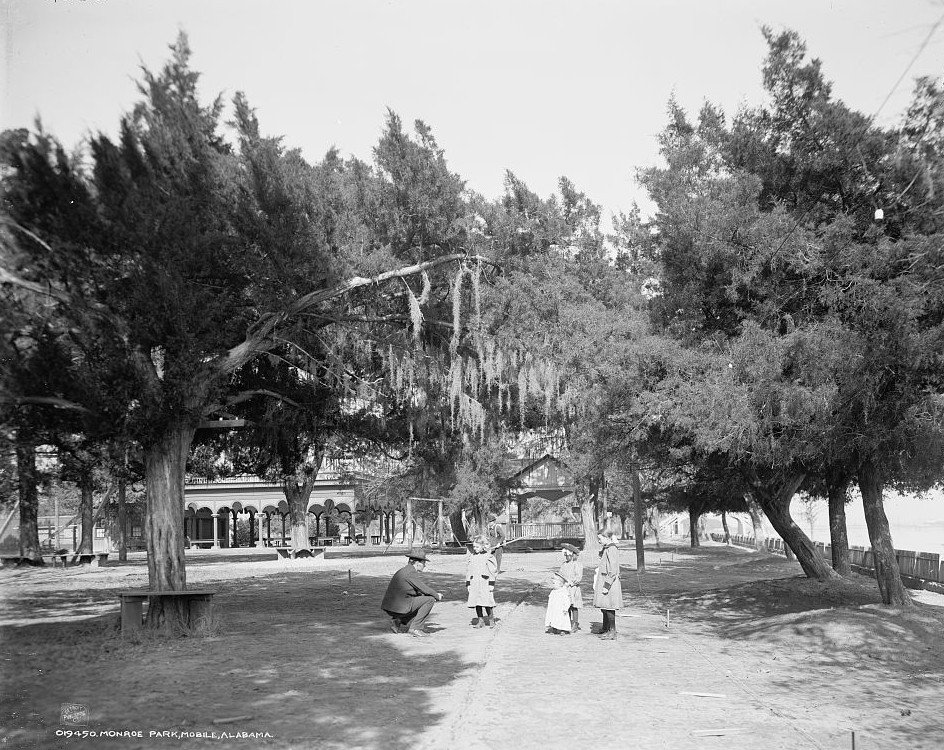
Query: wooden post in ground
x=442, y=528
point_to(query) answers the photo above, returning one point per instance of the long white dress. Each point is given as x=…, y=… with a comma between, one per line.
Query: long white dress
x=480, y=580
x=558, y=604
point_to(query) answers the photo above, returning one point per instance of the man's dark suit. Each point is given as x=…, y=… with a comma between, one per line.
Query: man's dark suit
x=409, y=599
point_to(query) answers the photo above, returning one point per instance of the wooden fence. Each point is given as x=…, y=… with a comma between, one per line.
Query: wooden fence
x=925, y=566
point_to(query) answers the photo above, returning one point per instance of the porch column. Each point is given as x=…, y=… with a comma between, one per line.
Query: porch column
x=235, y=540
x=216, y=541
x=283, y=528
x=255, y=539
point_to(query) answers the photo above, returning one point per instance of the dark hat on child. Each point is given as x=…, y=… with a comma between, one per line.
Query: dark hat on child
x=570, y=548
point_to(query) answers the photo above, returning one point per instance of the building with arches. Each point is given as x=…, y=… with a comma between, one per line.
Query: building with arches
x=212, y=510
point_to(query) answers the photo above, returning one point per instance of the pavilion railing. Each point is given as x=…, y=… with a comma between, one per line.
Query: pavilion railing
x=544, y=531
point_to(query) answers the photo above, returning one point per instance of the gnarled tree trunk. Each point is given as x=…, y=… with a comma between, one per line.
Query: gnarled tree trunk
x=887, y=572
x=29, y=500
x=297, y=489
x=724, y=525
x=588, y=517
x=776, y=504
x=838, y=537
x=165, y=463
x=757, y=522
x=297, y=495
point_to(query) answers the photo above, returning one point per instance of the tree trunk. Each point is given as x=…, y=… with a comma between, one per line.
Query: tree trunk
x=724, y=525
x=757, y=521
x=693, y=519
x=655, y=521
x=455, y=526
x=887, y=572
x=165, y=464
x=122, y=520
x=29, y=500
x=85, y=512
x=478, y=521
x=638, y=517
x=776, y=504
x=591, y=546
x=408, y=523
x=297, y=495
x=624, y=525
x=838, y=538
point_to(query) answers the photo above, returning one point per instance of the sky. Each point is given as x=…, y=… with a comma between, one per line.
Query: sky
x=543, y=88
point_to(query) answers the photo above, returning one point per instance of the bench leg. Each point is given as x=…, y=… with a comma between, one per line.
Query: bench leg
x=201, y=609
x=131, y=615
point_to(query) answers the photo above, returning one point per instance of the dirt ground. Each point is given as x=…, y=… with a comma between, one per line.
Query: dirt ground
x=719, y=648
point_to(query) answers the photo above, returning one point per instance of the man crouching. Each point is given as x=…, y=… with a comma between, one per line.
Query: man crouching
x=409, y=599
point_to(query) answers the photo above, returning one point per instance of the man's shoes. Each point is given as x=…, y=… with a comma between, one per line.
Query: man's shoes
x=609, y=635
x=418, y=633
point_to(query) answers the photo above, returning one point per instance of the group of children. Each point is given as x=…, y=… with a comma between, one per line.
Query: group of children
x=566, y=597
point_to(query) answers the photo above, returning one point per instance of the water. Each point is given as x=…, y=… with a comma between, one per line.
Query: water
x=916, y=523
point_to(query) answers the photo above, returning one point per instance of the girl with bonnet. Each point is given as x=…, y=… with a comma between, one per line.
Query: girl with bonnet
x=480, y=573
x=571, y=570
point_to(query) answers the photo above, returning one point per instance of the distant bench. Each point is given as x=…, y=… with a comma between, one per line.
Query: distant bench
x=199, y=603
x=90, y=558
x=295, y=554
x=94, y=559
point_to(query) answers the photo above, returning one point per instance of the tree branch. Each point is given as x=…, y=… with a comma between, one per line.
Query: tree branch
x=259, y=339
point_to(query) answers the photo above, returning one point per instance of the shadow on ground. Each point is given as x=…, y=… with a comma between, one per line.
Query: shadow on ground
x=822, y=631
x=305, y=657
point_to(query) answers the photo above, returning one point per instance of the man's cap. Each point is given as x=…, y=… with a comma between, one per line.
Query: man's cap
x=570, y=547
x=418, y=554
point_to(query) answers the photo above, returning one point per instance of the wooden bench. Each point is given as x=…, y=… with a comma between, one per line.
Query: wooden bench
x=294, y=554
x=199, y=603
x=57, y=557
x=54, y=557
x=93, y=559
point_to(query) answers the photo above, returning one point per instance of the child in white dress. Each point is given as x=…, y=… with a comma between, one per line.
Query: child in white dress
x=480, y=574
x=557, y=618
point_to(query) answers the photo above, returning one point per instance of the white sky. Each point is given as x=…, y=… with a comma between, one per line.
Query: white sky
x=543, y=88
